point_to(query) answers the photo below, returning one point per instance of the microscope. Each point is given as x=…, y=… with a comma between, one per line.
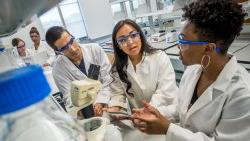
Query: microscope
x=82, y=94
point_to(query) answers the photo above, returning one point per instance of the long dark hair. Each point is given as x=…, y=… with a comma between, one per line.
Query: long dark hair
x=121, y=58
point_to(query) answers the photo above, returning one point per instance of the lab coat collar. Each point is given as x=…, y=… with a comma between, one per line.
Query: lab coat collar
x=215, y=89
x=71, y=66
x=226, y=75
x=203, y=100
x=86, y=56
x=137, y=86
x=189, y=90
x=130, y=64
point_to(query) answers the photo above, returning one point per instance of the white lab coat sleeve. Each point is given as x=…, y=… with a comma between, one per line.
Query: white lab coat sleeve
x=105, y=78
x=165, y=96
x=233, y=124
x=61, y=80
x=177, y=133
x=118, y=97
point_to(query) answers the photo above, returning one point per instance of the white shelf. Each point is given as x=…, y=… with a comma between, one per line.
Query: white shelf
x=161, y=12
x=117, y=1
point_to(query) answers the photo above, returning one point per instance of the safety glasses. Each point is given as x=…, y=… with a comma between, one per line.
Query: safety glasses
x=182, y=41
x=122, y=41
x=67, y=46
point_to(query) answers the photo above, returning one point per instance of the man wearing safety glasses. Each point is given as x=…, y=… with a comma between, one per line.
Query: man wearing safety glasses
x=76, y=62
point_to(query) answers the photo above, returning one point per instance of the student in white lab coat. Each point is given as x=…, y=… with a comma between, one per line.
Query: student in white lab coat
x=214, y=96
x=139, y=72
x=42, y=46
x=21, y=48
x=78, y=61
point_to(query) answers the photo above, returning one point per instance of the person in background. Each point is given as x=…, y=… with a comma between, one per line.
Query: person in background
x=78, y=61
x=21, y=48
x=139, y=72
x=41, y=46
x=214, y=92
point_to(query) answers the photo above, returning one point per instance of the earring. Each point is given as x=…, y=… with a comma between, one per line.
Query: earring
x=204, y=67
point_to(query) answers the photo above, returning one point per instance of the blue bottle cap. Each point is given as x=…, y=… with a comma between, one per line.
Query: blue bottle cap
x=21, y=88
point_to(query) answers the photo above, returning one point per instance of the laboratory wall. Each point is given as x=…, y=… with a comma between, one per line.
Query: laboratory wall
x=97, y=16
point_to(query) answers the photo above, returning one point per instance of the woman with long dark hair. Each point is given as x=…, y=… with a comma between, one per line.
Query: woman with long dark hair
x=139, y=72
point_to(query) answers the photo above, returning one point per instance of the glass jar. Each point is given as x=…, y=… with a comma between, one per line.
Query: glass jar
x=26, y=112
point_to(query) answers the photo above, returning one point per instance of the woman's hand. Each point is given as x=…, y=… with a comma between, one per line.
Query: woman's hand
x=149, y=120
x=98, y=108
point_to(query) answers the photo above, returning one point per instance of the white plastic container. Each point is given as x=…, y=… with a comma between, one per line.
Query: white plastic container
x=171, y=36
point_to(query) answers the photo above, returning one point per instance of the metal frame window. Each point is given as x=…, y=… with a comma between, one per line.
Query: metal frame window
x=67, y=14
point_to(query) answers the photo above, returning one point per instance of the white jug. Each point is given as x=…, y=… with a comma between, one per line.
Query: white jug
x=171, y=36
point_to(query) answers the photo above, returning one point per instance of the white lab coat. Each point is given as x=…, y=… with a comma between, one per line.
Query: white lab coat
x=64, y=71
x=153, y=81
x=43, y=46
x=221, y=113
x=28, y=52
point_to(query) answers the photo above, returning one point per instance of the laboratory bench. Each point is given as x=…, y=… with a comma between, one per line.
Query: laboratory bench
x=243, y=56
x=239, y=48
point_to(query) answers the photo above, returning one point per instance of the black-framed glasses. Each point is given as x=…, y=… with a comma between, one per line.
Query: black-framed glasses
x=124, y=39
x=67, y=46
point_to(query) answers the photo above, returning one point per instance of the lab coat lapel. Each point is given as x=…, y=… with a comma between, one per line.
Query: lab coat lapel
x=137, y=91
x=188, y=90
x=133, y=77
x=215, y=89
x=130, y=69
x=226, y=75
x=86, y=57
x=73, y=69
x=203, y=100
x=136, y=84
